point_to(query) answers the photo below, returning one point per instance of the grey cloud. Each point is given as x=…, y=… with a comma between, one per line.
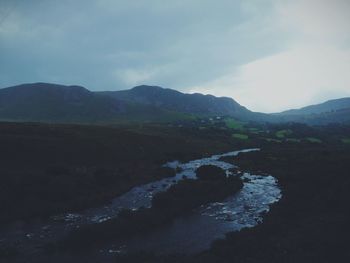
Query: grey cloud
x=176, y=44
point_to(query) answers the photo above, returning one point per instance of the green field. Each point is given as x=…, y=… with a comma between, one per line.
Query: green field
x=313, y=140
x=240, y=136
x=346, y=140
x=273, y=140
x=234, y=124
x=293, y=140
x=283, y=133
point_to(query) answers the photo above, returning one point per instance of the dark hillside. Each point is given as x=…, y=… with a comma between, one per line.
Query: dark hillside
x=55, y=103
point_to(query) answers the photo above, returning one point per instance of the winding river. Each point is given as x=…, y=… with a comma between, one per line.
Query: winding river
x=188, y=234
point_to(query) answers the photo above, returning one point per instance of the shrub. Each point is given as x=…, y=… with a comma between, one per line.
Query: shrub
x=210, y=172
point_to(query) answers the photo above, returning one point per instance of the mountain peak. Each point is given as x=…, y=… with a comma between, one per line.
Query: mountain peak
x=45, y=87
x=147, y=87
x=153, y=90
x=173, y=100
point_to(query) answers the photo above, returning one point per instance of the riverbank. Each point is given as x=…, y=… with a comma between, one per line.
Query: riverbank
x=51, y=169
x=179, y=199
x=309, y=224
x=206, y=223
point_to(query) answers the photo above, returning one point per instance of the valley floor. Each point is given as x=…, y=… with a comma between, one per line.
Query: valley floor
x=48, y=169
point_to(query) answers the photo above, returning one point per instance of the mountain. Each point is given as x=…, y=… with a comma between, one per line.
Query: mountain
x=59, y=103
x=186, y=103
x=332, y=111
x=177, y=101
x=55, y=103
x=328, y=106
x=45, y=102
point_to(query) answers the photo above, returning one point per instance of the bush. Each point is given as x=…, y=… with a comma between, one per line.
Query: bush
x=210, y=172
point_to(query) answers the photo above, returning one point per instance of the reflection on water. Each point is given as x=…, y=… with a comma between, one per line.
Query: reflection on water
x=188, y=234
x=195, y=232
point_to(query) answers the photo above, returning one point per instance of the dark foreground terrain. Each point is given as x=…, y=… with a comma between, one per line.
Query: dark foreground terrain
x=178, y=200
x=50, y=169
x=309, y=224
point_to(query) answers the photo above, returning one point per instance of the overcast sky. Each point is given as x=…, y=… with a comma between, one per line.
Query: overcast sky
x=269, y=55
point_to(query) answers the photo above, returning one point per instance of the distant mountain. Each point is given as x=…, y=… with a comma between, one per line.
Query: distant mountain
x=328, y=106
x=55, y=103
x=45, y=102
x=58, y=103
x=186, y=103
x=332, y=111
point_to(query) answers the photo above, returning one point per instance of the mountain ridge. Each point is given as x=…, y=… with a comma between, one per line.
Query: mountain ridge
x=328, y=112
x=181, y=102
x=50, y=102
x=46, y=102
x=327, y=106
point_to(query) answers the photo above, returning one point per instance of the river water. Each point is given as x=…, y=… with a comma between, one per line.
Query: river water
x=189, y=234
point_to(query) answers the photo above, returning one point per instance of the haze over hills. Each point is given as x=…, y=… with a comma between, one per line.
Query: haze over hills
x=328, y=106
x=75, y=104
x=331, y=111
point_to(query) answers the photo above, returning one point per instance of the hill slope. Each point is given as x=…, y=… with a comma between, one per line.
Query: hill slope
x=328, y=106
x=332, y=111
x=44, y=102
x=52, y=103
x=186, y=103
